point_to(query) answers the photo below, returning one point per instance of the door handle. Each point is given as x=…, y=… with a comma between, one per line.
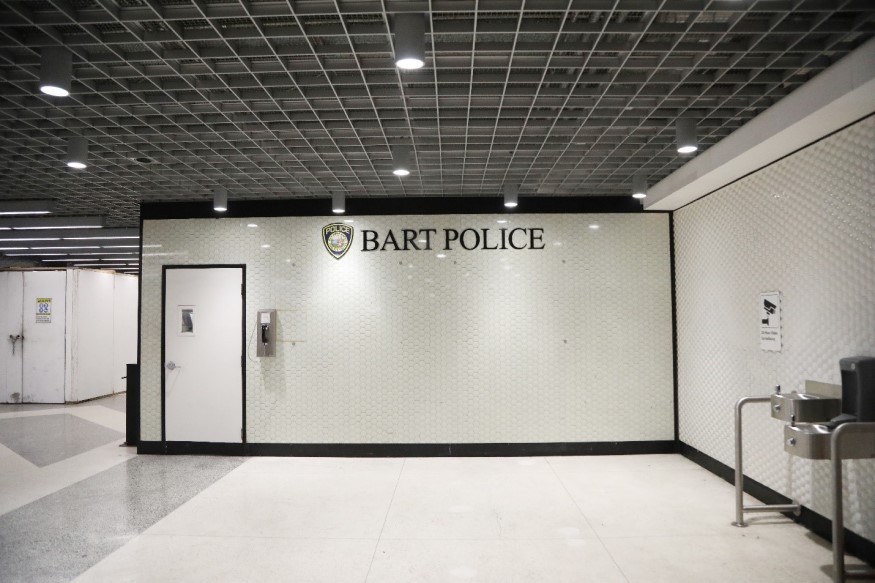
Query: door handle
x=171, y=365
x=14, y=339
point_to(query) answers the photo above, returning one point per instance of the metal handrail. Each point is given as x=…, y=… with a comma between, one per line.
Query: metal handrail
x=840, y=574
x=740, y=508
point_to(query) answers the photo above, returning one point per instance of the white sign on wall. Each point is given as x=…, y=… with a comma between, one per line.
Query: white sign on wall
x=770, y=321
x=44, y=310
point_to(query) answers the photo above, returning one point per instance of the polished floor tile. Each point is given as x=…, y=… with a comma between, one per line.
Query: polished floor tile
x=192, y=559
x=477, y=498
x=61, y=535
x=644, y=498
x=494, y=561
x=107, y=515
x=769, y=553
x=47, y=439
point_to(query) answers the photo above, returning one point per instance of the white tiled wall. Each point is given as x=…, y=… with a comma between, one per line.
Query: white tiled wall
x=804, y=226
x=569, y=343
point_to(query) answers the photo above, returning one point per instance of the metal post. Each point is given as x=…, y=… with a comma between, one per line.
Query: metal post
x=740, y=508
x=840, y=575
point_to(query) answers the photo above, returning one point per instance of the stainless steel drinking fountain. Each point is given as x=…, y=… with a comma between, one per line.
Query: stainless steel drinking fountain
x=848, y=435
x=821, y=428
x=791, y=407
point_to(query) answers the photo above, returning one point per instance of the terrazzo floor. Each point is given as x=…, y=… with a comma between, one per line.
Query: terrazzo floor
x=106, y=515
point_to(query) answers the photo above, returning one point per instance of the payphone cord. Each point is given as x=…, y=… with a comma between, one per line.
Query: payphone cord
x=255, y=329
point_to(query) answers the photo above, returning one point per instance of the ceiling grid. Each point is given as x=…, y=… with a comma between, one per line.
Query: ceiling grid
x=279, y=99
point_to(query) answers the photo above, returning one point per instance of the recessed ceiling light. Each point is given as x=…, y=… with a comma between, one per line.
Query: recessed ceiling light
x=252, y=225
x=265, y=246
x=685, y=131
x=142, y=160
x=56, y=71
x=639, y=186
x=77, y=152
x=511, y=194
x=220, y=200
x=338, y=203
x=441, y=255
x=409, y=40
x=593, y=227
x=400, y=160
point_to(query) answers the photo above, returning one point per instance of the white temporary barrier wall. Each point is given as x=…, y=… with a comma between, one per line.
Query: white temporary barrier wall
x=77, y=327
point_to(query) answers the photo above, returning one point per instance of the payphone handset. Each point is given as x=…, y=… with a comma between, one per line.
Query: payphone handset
x=266, y=345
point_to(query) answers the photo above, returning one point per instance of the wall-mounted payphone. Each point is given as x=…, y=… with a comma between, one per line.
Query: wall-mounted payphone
x=266, y=333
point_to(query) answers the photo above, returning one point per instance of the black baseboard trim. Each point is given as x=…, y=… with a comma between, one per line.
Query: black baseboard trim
x=458, y=449
x=150, y=447
x=190, y=448
x=860, y=547
x=407, y=449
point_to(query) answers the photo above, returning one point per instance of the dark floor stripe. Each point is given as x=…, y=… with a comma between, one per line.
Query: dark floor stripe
x=58, y=537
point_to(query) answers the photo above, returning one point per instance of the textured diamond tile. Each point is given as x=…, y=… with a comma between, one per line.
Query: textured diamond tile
x=571, y=343
x=804, y=226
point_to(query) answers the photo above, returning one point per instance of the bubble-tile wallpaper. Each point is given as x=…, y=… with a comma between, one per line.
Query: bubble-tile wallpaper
x=805, y=227
x=569, y=343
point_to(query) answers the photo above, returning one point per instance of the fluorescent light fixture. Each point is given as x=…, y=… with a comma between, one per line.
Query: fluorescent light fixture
x=511, y=196
x=99, y=265
x=77, y=153
x=90, y=238
x=220, y=200
x=52, y=227
x=14, y=248
x=53, y=222
x=25, y=207
x=252, y=226
x=56, y=71
x=119, y=246
x=338, y=203
x=265, y=246
x=686, y=136
x=594, y=227
x=400, y=160
x=409, y=40
x=114, y=253
x=35, y=254
x=71, y=247
x=68, y=259
x=6, y=240
x=66, y=234
x=639, y=186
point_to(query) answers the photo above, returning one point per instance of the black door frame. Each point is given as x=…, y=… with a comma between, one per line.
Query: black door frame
x=182, y=446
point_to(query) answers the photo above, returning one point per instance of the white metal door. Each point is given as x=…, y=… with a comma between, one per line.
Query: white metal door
x=203, y=354
x=11, y=290
x=45, y=328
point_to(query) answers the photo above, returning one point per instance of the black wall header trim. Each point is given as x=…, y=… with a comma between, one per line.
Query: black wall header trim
x=372, y=206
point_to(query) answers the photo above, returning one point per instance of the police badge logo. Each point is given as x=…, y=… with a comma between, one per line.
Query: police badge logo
x=337, y=238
